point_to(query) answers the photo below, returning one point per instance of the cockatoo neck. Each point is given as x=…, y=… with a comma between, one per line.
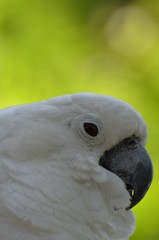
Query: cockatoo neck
x=77, y=207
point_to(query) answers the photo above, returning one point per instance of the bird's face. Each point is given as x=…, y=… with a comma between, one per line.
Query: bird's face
x=114, y=133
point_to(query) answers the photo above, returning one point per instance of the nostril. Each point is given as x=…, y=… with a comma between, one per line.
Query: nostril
x=132, y=143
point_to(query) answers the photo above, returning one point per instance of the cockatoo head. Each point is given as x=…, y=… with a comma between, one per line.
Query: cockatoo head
x=71, y=167
x=107, y=137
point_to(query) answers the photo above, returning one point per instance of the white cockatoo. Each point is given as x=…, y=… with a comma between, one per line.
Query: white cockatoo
x=71, y=168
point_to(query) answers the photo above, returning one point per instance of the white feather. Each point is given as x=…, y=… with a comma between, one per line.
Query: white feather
x=51, y=185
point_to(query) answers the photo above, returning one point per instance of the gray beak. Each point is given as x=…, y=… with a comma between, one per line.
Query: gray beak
x=130, y=161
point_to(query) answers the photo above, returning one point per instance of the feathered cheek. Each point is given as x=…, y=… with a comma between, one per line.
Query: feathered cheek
x=85, y=168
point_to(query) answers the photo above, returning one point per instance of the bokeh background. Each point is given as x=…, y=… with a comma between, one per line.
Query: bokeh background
x=55, y=47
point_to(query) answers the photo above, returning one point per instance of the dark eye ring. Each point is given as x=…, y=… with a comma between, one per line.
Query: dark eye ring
x=132, y=143
x=91, y=129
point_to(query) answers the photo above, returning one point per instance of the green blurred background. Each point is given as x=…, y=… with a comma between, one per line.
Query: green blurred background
x=50, y=48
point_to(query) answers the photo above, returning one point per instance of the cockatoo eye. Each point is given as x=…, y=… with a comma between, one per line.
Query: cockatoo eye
x=91, y=129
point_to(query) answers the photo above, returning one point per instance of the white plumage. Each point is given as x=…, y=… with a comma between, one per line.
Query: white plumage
x=51, y=184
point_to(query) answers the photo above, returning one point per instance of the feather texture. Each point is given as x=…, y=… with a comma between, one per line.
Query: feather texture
x=51, y=185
